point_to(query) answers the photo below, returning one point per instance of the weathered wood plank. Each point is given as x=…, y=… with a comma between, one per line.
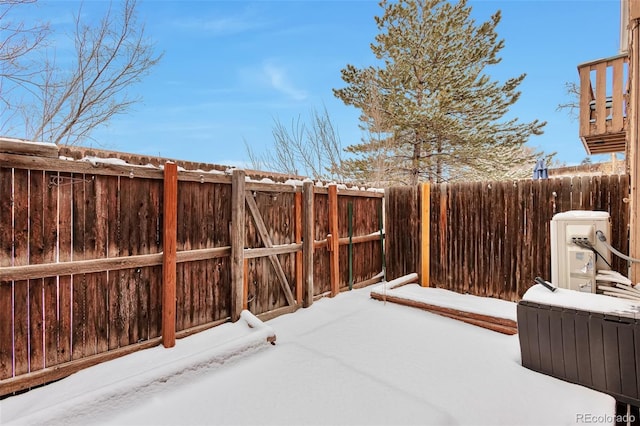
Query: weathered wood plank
x=252, y=253
x=65, y=250
x=50, y=284
x=586, y=96
x=6, y=330
x=334, y=254
x=6, y=286
x=78, y=167
x=146, y=240
x=368, y=193
x=21, y=257
x=36, y=286
x=307, y=241
x=601, y=97
x=127, y=281
x=321, y=280
x=94, y=300
x=111, y=194
x=24, y=147
x=95, y=265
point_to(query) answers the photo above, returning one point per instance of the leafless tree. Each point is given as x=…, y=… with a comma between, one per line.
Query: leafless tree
x=312, y=149
x=70, y=100
x=17, y=41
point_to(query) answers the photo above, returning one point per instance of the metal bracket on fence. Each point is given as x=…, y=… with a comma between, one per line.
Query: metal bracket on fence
x=58, y=181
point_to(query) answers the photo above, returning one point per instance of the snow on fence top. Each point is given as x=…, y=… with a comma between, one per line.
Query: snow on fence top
x=100, y=156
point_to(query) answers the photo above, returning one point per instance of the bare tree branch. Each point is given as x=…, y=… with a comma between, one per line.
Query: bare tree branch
x=17, y=41
x=65, y=103
x=573, y=105
x=311, y=149
x=109, y=59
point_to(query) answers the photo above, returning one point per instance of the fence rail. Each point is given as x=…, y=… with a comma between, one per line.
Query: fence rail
x=85, y=264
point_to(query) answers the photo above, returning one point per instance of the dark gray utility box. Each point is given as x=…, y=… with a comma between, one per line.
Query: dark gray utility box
x=596, y=350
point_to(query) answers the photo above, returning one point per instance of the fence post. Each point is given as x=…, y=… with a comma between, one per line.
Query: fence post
x=425, y=224
x=237, y=243
x=169, y=232
x=334, y=241
x=307, y=243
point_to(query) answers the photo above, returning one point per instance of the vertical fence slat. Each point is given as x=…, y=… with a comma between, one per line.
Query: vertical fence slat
x=333, y=242
x=21, y=257
x=78, y=284
x=51, y=302
x=36, y=256
x=65, y=250
x=141, y=246
x=113, y=198
x=6, y=287
x=307, y=243
x=93, y=281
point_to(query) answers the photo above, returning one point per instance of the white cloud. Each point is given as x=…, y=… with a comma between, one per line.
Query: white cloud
x=229, y=24
x=219, y=26
x=278, y=79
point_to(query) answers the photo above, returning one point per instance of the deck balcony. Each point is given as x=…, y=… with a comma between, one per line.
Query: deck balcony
x=603, y=111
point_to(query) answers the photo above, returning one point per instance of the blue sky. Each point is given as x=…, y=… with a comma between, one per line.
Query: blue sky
x=230, y=68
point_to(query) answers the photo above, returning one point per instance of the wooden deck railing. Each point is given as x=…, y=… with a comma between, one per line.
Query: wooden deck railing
x=603, y=112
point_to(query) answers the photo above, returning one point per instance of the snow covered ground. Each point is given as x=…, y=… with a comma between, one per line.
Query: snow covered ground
x=350, y=360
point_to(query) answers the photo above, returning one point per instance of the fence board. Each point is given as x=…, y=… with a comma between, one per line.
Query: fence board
x=92, y=282
x=6, y=259
x=6, y=335
x=78, y=283
x=111, y=194
x=21, y=257
x=6, y=287
x=36, y=286
x=65, y=250
x=50, y=284
x=321, y=279
x=144, y=245
x=6, y=216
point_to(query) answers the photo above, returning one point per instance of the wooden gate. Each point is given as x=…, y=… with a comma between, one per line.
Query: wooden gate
x=273, y=242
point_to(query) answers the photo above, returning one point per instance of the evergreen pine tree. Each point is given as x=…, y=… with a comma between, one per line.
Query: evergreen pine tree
x=429, y=106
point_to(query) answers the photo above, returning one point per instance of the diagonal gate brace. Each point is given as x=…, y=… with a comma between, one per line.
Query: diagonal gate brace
x=264, y=234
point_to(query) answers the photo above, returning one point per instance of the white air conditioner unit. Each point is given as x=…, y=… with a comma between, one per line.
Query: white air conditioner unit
x=573, y=263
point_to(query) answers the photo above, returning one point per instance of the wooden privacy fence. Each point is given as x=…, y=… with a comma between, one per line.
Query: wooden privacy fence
x=100, y=258
x=493, y=238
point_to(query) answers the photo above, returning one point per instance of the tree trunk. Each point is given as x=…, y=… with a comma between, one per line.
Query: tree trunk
x=415, y=163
